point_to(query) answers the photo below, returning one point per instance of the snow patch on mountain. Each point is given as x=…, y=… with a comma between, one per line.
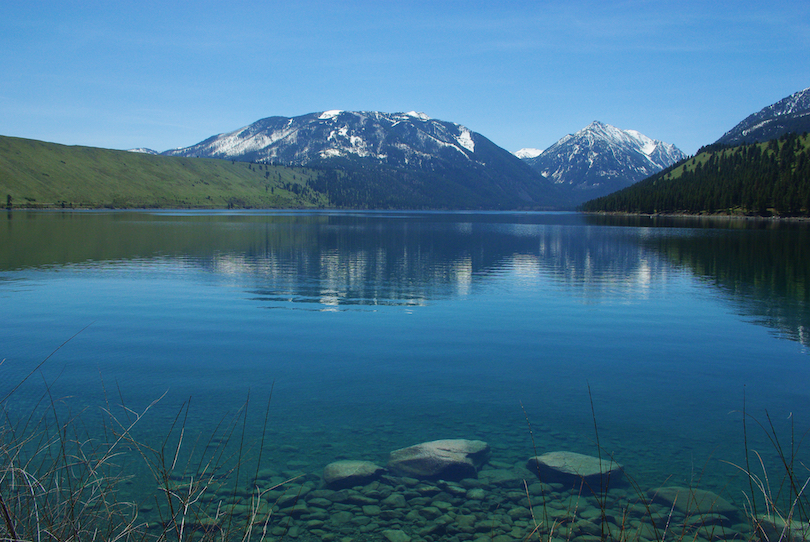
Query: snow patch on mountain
x=243, y=142
x=528, y=153
x=649, y=148
x=329, y=153
x=417, y=115
x=646, y=145
x=332, y=113
x=466, y=140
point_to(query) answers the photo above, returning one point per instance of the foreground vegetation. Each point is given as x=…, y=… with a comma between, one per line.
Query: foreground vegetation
x=63, y=474
x=763, y=179
x=35, y=174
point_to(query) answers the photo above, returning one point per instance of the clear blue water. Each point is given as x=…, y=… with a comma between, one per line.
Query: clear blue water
x=379, y=330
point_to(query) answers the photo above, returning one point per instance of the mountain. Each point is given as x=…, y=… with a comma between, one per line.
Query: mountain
x=600, y=159
x=389, y=160
x=791, y=114
x=144, y=150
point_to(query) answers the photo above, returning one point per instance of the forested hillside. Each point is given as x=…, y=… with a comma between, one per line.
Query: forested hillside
x=771, y=178
x=362, y=184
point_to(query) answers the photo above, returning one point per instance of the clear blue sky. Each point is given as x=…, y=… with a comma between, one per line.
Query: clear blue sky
x=524, y=73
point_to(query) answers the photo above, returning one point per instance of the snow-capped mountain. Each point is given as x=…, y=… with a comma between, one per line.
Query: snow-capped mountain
x=439, y=163
x=601, y=158
x=385, y=137
x=528, y=153
x=144, y=150
x=791, y=114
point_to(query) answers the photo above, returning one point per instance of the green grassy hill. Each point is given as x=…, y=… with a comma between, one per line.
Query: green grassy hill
x=35, y=174
x=765, y=179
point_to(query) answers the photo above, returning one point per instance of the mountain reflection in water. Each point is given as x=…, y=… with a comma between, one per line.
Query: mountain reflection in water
x=333, y=261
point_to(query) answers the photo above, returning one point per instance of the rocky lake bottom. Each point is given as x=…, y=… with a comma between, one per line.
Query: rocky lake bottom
x=441, y=490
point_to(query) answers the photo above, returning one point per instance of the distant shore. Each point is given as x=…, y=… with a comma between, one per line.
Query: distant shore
x=772, y=218
x=713, y=216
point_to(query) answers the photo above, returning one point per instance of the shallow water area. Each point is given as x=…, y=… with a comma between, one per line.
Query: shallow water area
x=637, y=339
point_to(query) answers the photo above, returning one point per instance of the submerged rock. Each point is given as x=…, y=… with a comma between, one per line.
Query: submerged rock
x=690, y=501
x=452, y=459
x=348, y=473
x=507, y=478
x=396, y=535
x=571, y=467
x=775, y=528
x=476, y=494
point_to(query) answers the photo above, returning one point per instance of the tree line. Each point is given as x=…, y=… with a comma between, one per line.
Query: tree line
x=764, y=179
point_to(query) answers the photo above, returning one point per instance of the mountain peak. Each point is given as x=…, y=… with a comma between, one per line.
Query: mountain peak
x=601, y=131
x=417, y=115
x=528, y=153
x=332, y=113
x=798, y=101
x=601, y=158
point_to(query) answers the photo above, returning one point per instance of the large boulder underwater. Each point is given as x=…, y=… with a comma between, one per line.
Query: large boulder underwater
x=451, y=459
x=572, y=468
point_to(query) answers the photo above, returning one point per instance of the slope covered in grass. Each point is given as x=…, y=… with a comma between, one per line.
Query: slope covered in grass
x=42, y=175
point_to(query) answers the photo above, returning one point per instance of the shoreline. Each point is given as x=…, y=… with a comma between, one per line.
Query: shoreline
x=715, y=216
x=753, y=218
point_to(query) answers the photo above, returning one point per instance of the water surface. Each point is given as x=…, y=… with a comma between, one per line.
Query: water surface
x=379, y=330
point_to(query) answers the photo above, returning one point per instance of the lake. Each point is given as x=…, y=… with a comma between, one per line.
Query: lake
x=642, y=339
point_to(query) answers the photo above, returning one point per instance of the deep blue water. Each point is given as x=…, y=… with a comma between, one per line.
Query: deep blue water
x=379, y=330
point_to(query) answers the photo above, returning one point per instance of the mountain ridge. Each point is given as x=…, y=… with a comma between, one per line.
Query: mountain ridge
x=790, y=114
x=359, y=133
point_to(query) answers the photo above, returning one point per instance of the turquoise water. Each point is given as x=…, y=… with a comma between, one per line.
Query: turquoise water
x=377, y=330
